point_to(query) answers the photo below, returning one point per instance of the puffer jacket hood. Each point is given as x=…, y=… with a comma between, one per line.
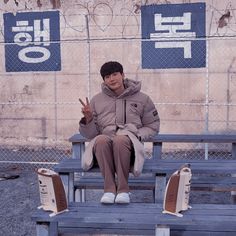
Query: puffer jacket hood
x=131, y=87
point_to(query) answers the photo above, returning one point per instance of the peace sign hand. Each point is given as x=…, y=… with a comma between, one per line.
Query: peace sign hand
x=86, y=110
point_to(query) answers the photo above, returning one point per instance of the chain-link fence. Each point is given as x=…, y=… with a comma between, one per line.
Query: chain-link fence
x=40, y=110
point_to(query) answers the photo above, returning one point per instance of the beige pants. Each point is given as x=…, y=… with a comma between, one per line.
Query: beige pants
x=114, y=157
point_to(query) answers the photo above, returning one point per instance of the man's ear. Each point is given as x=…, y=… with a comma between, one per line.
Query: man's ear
x=123, y=75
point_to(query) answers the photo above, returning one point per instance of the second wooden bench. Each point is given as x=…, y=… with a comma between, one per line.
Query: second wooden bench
x=138, y=219
x=221, y=180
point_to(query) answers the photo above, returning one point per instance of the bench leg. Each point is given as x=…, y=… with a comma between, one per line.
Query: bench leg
x=68, y=183
x=47, y=229
x=162, y=230
x=65, y=181
x=160, y=187
x=71, y=194
x=233, y=193
x=80, y=195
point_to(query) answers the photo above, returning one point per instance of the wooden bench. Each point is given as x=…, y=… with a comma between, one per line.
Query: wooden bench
x=160, y=168
x=146, y=218
x=138, y=219
x=200, y=181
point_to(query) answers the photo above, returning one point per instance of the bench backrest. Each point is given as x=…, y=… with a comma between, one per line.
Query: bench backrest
x=78, y=142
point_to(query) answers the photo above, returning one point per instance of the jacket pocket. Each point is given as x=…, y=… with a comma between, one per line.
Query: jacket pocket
x=135, y=107
x=134, y=113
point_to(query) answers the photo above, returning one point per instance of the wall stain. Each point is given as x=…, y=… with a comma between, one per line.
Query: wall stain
x=17, y=3
x=26, y=90
x=39, y=4
x=223, y=21
x=176, y=113
x=56, y=3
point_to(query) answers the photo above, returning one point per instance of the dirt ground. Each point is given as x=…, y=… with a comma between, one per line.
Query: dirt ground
x=19, y=197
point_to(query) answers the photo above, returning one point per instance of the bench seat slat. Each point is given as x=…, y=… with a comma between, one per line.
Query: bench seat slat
x=182, y=138
x=165, y=166
x=199, y=183
x=96, y=182
x=142, y=214
x=141, y=208
x=127, y=231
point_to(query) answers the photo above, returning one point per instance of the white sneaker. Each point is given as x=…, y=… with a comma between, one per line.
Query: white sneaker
x=108, y=198
x=122, y=198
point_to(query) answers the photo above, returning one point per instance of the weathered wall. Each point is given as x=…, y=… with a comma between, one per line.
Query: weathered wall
x=43, y=108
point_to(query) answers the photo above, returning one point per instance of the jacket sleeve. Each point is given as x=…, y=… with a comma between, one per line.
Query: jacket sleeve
x=150, y=121
x=89, y=130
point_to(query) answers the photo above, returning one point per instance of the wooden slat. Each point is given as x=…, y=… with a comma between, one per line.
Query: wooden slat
x=127, y=231
x=140, y=215
x=94, y=229
x=195, y=138
x=198, y=166
x=198, y=183
x=181, y=138
x=144, y=230
x=213, y=183
x=96, y=182
x=165, y=166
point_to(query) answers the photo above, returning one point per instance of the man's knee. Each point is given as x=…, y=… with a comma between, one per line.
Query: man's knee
x=102, y=140
x=121, y=140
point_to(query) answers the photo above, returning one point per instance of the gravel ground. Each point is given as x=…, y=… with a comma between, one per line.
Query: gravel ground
x=19, y=197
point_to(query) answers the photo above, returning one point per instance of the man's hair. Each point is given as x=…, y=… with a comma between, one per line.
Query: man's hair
x=110, y=67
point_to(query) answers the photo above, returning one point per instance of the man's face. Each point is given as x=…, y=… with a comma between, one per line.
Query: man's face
x=115, y=82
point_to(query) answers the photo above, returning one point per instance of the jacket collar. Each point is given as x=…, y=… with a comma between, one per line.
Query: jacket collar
x=131, y=87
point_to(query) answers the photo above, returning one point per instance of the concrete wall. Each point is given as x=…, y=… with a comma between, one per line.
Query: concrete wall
x=42, y=108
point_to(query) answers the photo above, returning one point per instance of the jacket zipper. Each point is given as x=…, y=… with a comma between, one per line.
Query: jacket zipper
x=124, y=112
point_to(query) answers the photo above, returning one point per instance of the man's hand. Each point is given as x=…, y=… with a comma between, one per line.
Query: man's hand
x=86, y=110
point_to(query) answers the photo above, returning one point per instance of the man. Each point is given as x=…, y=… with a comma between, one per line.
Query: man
x=116, y=121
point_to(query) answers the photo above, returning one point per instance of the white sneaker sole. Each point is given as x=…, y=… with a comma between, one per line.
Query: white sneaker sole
x=107, y=202
x=122, y=202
